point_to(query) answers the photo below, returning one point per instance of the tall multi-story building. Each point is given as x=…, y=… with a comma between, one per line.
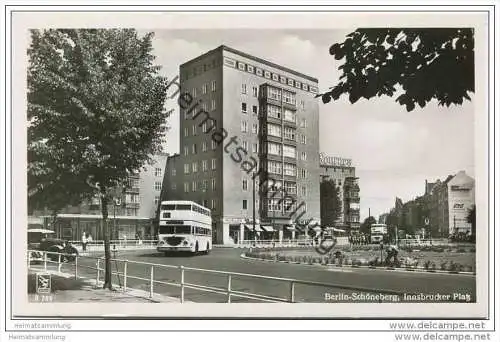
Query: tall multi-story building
x=132, y=214
x=341, y=171
x=245, y=124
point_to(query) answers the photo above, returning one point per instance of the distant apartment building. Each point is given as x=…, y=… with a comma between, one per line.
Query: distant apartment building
x=438, y=203
x=461, y=197
x=343, y=173
x=245, y=119
x=382, y=219
x=132, y=214
x=442, y=210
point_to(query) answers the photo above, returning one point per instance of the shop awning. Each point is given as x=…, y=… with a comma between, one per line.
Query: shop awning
x=250, y=227
x=291, y=228
x=338, y=230
x=268, y=228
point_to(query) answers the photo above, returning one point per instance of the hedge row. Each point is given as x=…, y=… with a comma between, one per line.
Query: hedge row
x=439, y=249
x=375, y=248
x=407, y=263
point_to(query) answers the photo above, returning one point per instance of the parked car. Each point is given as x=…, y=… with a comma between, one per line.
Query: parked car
x=44, y=240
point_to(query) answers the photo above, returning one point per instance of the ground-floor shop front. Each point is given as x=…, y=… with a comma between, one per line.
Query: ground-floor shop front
x=73, y=226
x=237, y=231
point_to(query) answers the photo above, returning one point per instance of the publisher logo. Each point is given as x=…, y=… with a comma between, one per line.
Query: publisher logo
x=43, y=282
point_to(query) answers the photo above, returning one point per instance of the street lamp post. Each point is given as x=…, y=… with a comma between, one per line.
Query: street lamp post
x=114, y=218
x=116, y=201
x=253, y=202
x=396, y=228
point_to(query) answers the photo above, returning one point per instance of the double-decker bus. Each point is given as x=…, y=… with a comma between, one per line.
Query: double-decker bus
x=185, y=226
x=377, y=232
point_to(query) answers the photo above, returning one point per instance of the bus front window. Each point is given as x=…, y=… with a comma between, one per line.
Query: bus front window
x=167, y=229
x=183, y=230
x=175, y=230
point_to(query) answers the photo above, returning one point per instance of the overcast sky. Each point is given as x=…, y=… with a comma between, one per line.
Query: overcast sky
x=394, y=151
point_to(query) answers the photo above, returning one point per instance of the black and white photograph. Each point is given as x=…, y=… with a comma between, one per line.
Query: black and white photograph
x=204, y=169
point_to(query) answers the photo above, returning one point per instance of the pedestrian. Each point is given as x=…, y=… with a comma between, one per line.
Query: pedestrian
x=392, y=253
x=84, y=241
x=89, y=239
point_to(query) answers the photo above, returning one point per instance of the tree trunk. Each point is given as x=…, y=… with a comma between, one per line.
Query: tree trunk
x=107, y=250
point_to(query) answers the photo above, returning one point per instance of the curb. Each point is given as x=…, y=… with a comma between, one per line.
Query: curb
x=157, y=298
x=385, y=268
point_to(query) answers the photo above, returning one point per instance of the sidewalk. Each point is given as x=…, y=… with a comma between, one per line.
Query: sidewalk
x=66, y=289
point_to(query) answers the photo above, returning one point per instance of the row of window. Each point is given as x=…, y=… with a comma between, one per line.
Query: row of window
x=277, y=205
x=244, y=127
x=204, y=89
x=278, y=168
x=193, y=167
x=271, y=147
x=273, y=167
x=183, y=229
x=287, y=169
x=275, y=94
x=204, y=147
x=286, y=205
x=281, y=95
x=255, y=90
x=273, y=111
x=276, y=185
x=197, y=185
x=341, y=169
x=269, y=75
x=244, y=109
x=286, y=132
x=202, y=106
x=284, y=150
x=186, y=207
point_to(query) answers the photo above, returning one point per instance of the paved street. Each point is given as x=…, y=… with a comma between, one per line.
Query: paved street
x=229, y=260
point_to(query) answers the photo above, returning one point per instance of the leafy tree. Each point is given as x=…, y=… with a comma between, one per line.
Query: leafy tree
x=95, y=115
x=366, y=225
x=425, y=63
x=471, y=218
x=330, y=205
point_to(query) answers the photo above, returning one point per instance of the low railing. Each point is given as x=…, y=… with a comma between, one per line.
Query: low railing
x=432, y=242
x=119, y=243
x=149, y=269
x=283, y=242
x=153, y=243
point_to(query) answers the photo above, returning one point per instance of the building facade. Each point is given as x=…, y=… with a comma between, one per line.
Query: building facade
x=442, y=210
x=249, y=140
x=343, y=173
x=131, y=215
x=461, y=198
